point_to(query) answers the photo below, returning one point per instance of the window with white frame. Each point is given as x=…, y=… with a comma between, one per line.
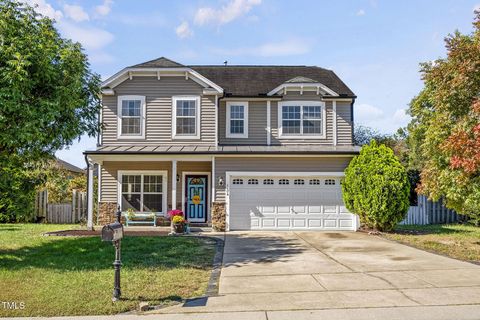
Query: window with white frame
x=237, y=181
x=131, y=116
x=302, y=119
x=330, y=182
x=142, y=192
x=186, y=117
x=237, y=120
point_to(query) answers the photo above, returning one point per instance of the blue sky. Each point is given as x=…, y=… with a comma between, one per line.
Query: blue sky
x=374, y=46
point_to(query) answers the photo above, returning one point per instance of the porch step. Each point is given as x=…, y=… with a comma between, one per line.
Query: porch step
x=199, y=224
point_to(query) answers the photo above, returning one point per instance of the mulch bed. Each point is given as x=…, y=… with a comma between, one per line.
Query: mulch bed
x=93, y=233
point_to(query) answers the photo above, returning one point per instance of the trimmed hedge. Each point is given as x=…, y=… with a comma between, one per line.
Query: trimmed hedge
x=376, y=187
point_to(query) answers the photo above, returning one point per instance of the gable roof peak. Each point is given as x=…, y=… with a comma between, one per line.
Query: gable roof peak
x=301, y=80
x=161, y=62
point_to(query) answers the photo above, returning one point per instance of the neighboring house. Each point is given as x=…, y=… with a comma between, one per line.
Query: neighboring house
x=70, y=168
x=255, y=147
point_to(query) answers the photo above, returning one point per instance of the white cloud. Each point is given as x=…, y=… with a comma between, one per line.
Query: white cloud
x=360, y=12
x=91, y=38
x=287, y=47
x=44, y=8
x=227, y=13
x=104, y=8
x=183, y=30
x=376, y=118
x=75, y=12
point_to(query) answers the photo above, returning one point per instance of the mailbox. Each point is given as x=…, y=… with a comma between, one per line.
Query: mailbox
x=112, y=232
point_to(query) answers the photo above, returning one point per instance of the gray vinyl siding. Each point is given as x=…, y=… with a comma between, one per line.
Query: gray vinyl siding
x=257, y=125
x=277, y=164
x=344, y=123
x=109, y=181
x=158, y=97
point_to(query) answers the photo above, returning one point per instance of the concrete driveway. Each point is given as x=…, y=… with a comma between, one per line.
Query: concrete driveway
x=320, y=272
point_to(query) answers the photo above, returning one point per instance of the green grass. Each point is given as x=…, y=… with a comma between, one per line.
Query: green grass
x=454, y=240
x=57, y=276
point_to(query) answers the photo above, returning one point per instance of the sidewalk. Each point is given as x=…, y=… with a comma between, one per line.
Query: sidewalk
x=461, y=312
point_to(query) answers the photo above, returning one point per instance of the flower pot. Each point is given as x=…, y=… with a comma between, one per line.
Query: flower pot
x=179, y=228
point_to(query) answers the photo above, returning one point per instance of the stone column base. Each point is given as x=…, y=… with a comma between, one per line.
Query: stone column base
x=219, y=216
x=106, y=212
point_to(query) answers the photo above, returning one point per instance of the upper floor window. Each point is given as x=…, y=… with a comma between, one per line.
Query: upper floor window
x=237, y=120
x=302, y=119
x=186, y=117
x=131, y=116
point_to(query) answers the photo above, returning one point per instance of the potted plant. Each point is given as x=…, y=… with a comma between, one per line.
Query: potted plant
x=130, y=214
x=178, y=223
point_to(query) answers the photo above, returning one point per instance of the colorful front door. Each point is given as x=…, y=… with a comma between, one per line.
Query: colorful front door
x=196, y=198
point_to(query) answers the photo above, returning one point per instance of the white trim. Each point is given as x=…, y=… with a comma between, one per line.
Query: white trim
x=127, y=73
x=99, y=185
x=143, y=110
x=214, y=178
x=90, y=198
x=303, y=87
x=163, y=173
x=229, y=174
x=334, y=115
x=228, y=134
x=198, y=108
x=216, y=121
x=174, y=184
x=108, y=92
x=209, y=184
x=251, y=99
x=302, y=103
x=269, y=124
x=99, y=158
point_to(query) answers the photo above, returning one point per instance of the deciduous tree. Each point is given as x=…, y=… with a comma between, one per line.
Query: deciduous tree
x=445, y=130
x=48, y=97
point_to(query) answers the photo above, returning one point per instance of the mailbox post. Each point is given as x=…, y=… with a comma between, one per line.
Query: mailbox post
x=113, y=232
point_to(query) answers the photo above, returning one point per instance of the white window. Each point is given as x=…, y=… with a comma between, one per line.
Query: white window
x=237, y=120
x=283, y=181
x=302, y=119
x=268, y=181
x=237, y=181
x=314, y=182
x=252, y=181
x=330, y=182
x=186, y=117
x=142, y=191
x=131, y=117
x=299, y=182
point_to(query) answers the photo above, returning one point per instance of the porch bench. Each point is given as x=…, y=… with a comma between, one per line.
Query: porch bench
x=137, y=219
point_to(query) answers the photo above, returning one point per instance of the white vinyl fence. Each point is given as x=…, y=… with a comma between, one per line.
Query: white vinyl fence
x=429, y=212
x=61, y=212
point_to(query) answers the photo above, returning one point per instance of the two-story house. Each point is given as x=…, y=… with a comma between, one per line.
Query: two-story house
x=251, y=147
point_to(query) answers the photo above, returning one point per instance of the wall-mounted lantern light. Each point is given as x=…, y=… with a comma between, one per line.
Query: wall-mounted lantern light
x=220, y=182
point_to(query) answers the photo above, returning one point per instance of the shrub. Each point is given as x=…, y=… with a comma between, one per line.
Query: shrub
x=376, y=187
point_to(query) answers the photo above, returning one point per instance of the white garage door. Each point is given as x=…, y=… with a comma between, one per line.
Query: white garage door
x=287, y=203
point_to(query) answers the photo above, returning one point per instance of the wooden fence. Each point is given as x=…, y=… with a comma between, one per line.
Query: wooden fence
x=61, y=212
x=429, y=212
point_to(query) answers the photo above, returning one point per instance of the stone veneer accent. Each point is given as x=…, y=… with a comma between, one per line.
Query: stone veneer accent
x=218, y=216
x=106, y=212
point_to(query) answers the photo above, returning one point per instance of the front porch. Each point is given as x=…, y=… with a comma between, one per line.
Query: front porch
x=147, y=187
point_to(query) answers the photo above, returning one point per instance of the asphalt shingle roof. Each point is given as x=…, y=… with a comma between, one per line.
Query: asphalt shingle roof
x=253, y=81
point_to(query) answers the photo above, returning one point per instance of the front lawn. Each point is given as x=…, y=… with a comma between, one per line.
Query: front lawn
x=454, y=240
x=56, y=276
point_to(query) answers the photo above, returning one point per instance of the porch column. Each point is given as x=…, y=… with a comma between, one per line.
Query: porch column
x=90, y=197
x=174, y=184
